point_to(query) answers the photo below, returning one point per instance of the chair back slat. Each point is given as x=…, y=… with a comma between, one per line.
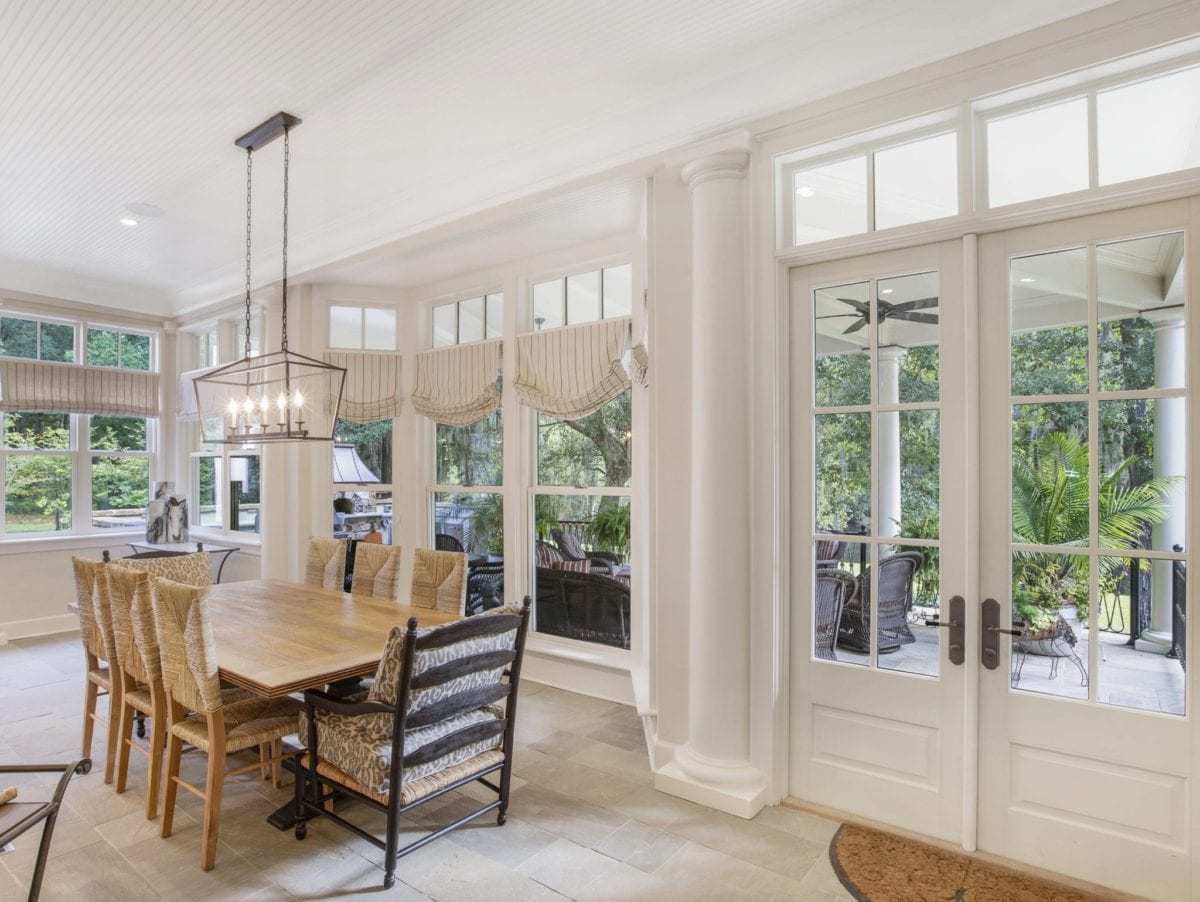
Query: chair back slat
x=439, y=748
x=461, y=667
x=457, y=704
x=185, y=640
x=123, y=585
x=463, y=630
x=376, y=571
x=85, y=594
x=325, y=563
x=439, y=581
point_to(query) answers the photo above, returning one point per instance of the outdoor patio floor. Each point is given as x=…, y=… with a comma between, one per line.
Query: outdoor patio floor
x=1126, y=677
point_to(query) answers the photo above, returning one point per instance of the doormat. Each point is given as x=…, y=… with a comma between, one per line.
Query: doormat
x=882, y=867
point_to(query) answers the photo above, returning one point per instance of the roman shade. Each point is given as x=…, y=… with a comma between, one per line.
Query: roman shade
x=571, y=372
x=71, y=388
x=185, y=407
x=457, y=386
x=372, y=389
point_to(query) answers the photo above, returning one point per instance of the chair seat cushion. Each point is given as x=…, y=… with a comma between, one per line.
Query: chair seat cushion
x=361, y=746
x=247, y=723
x=414, y=789
x=100, y=677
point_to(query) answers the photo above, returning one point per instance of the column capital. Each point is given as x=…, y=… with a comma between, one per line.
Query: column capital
x=729, y=165
x=1164, y=317
x=889, y=353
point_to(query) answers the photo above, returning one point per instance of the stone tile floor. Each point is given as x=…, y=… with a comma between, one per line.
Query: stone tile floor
x=586, y=822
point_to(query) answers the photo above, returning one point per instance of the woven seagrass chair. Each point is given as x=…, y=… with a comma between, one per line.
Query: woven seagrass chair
x=189, y=666
x=439, y=580
x=832, y=590
x=97, y=659
x=572, y=550
x=376, y=571
x=433, y=723
x=591, y=607
x=896, y=573
x=17, y=818
x=325, y=563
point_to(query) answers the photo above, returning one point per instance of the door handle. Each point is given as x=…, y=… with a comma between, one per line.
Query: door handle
x=992, y=631
x=958, y=629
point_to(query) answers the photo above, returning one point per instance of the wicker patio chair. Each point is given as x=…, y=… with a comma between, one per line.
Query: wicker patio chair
x=591, y=607
x=439, y=580
x=829, y=552
x=446, y=542
x=572, y=550
x=832, y=590
x=17, y=818
x=376, y=571
x=485, y=586
x=99, y=670
x=896, y=573
x=325, y=563
x=189, y=666
x=431, y=724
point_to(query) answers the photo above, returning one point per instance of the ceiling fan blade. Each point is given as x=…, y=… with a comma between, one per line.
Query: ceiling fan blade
x=860, y=306
x=921, y=304
x=930, y=318
x=855, y=326
x=837, y=316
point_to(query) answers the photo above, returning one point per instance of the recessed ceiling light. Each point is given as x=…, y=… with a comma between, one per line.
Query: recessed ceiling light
x=805, y=191
x=145, y=211
x=887, y=290
x=127, y=221
x=1027, y=279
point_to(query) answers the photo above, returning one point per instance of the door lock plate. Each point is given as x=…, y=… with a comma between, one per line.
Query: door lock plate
x=990, y=623
x=957, y=625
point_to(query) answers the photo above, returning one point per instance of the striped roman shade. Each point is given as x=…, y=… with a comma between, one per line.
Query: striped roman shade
x=72, y=388
x=571, y=372
x=372, y=390
x=457, y=386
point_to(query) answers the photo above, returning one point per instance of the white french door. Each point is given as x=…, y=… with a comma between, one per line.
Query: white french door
x=879, y=538
x=1087, y=729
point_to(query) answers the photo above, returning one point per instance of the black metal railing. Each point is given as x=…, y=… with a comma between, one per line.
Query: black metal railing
x=1179, y=610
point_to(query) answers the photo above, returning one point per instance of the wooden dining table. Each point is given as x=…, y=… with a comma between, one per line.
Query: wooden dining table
x=275, y=637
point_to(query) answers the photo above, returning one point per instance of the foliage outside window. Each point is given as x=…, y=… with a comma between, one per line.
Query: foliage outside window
x=125, y=350
x=120, y=471
x=37, y=339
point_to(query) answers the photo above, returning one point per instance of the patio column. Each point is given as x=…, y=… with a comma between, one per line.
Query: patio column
x=713, y=767
x=887, y=518
x=1170, y=459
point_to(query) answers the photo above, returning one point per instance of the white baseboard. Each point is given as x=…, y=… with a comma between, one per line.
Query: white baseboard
x=610, y=683
x=38, y=626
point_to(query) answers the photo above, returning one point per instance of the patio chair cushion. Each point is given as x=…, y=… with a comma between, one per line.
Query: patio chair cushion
x=547, y=555
x=575, y=566
x=361, y=746
x=189, y=569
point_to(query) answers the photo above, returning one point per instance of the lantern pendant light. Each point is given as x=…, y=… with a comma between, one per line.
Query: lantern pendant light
x=278, y=397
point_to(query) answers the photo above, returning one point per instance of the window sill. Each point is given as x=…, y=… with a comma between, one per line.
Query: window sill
x=72, y=542
x=244, y=540
x=592, y=655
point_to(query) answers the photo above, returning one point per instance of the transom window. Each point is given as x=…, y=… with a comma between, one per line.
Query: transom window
x=37, y=339
x=124, y=350
x=471, y=319
x=367, y=328
x=583, y=297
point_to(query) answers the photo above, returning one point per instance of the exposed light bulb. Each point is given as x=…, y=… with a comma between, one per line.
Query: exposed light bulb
x=281, y=402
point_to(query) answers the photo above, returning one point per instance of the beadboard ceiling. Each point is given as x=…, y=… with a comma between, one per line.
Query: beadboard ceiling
x=415, y=113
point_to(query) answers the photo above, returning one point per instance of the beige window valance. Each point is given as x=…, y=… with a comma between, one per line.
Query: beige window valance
x=457, y=386
x=372, y=391
x=72, y=388
x=571, y=372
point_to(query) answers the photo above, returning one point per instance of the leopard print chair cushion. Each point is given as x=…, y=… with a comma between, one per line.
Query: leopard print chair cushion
x=188, y=569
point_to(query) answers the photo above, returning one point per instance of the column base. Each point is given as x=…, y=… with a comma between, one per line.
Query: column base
x=1153, y=641
x=735, y=787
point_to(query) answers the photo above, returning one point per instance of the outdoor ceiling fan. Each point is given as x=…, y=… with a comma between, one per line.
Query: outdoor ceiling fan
x=906, y=310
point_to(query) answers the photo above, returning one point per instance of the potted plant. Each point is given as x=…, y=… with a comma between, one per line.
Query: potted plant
x=609, y=530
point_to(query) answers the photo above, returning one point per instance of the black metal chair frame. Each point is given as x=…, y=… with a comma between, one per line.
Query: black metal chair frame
x=45, y=813
x=311, y=799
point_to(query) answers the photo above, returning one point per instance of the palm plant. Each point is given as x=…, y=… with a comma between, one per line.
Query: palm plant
x=1050, y=507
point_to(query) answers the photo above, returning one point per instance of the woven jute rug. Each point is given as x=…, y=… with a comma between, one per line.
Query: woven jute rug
x=881, y=867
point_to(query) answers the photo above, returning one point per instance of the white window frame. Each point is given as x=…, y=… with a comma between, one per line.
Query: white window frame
x=456, y=300
x=361, y=306
x=222, y=453
x=562, y=275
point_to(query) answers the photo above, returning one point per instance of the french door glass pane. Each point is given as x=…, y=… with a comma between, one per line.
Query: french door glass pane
x=840, y=630
x=1140, y=339
x=1149, y=128
x=916, y=182
x=1050, y=607
x=907, y=315
x=120, y=490
x=831, y=201
x=37, y=496
x=1049, y=317
x=1038, y=153
x=1143, y=454
x=842, y=374
x=843, y=460
x=919, y=472
x=1135, y=595
x=1050, y=497
x=908, y=584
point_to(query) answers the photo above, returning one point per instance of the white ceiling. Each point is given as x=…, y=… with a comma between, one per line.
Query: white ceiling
x=415, y=113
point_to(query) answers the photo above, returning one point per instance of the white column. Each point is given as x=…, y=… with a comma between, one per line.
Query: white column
x=1170, y=459
x=887, y=518
x=713, y=767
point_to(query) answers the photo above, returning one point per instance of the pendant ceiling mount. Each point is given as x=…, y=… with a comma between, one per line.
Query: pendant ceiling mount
x=282, y=396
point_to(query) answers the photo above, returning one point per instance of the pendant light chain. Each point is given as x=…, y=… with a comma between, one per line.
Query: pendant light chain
x=287, y=155
x=249, y=159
